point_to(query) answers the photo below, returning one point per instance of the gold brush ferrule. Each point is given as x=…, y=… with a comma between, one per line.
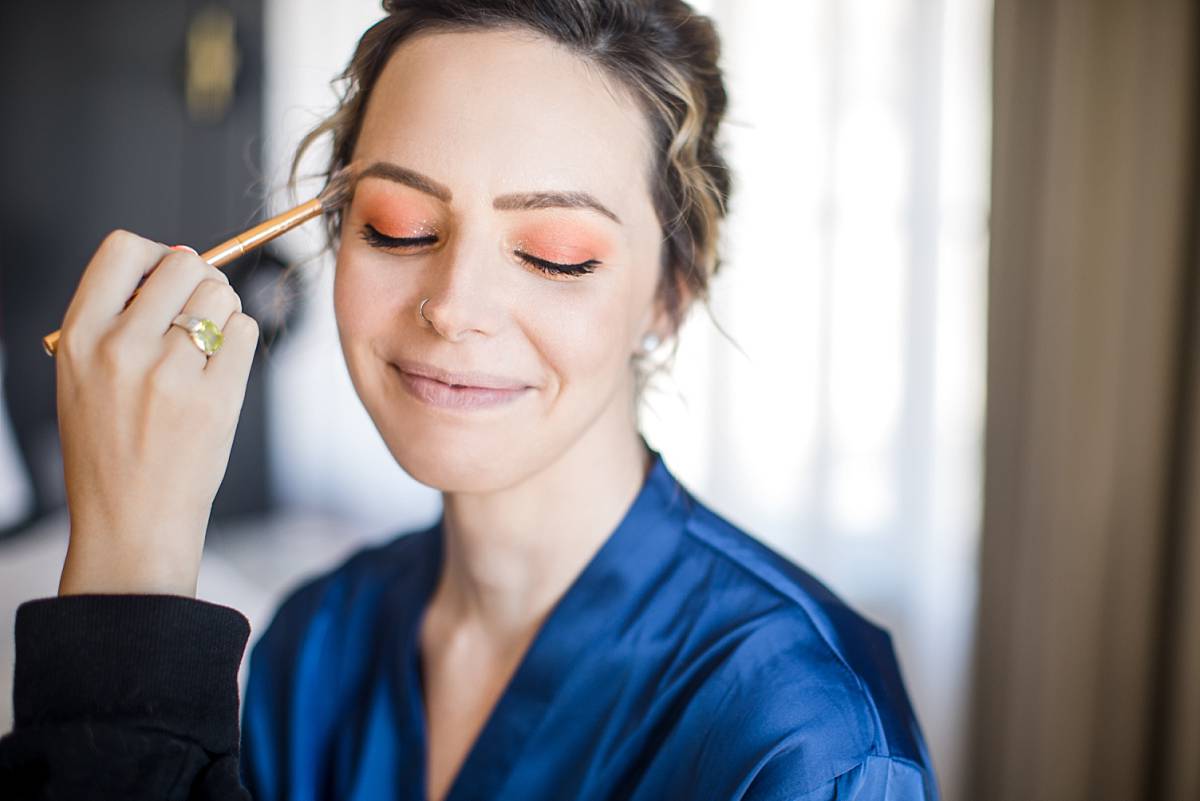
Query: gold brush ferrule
x=262, y=233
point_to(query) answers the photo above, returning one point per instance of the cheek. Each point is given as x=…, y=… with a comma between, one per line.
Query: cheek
x=361, y=293
x=348, y=302
x=581, y=333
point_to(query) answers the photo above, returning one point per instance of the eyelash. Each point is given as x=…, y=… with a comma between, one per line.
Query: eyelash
x=375, y=239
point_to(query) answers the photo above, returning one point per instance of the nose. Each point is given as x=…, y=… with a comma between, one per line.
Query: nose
x=461, y=299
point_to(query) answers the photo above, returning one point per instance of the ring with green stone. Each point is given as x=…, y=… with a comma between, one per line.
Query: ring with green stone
x=203, y=331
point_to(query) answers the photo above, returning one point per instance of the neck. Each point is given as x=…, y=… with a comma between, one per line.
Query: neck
x=510, y=555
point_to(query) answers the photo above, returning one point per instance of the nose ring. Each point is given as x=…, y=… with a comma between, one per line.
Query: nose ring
x=421, y=310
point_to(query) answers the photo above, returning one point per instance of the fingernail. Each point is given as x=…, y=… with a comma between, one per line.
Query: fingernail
x=188, y=248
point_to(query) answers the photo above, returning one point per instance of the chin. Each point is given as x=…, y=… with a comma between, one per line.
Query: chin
x=460, y=461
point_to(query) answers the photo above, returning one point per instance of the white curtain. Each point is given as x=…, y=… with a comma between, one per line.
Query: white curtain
x=845, y=427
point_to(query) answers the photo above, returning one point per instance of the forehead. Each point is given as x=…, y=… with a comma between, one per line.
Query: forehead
x=489, y=112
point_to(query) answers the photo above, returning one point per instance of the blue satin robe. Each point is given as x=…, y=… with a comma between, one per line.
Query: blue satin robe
x=686, y=661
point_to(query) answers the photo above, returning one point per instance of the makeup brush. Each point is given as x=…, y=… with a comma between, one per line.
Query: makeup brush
x=336, y=192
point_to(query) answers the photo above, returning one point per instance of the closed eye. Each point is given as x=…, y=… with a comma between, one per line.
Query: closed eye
x=553, y=267
x=374, y=238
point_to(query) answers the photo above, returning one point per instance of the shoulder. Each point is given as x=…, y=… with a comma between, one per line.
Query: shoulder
x=809, y=682
x=879, y=778
x=328, y=604
x=313, y=656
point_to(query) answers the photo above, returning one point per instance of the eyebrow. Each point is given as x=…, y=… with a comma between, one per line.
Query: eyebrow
x=515, y=201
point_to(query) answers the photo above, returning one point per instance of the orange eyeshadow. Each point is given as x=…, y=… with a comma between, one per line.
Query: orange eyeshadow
x=562, y=242
x=390, y=212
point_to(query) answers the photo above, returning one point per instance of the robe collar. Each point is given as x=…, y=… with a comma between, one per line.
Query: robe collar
x=602, y=598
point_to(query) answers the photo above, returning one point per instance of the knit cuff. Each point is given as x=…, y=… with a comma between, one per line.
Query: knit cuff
x=166, y=662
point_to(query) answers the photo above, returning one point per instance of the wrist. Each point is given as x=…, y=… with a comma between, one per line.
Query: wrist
x=113, y=571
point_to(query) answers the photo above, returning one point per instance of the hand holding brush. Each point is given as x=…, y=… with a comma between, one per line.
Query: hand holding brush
x=331, y=198
x=150, y=385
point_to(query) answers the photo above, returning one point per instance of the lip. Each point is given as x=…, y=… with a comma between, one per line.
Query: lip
x=468, y=380
x=457, y=390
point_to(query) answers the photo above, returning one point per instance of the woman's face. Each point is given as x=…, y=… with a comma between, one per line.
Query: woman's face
x=488, y=158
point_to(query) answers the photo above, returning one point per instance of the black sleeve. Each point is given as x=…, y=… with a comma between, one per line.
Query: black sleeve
x=125, y=696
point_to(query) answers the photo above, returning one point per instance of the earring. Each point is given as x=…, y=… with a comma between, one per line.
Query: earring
x=650, y=342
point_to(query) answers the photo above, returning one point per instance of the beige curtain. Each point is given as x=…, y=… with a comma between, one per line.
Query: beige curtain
x=1087, y=679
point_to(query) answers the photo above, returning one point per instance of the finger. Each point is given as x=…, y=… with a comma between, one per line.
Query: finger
x=167, y=290
x=118, y=265
x=212, y=300
x=229, y=366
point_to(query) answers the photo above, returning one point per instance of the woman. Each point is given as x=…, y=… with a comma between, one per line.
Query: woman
x=536, y=208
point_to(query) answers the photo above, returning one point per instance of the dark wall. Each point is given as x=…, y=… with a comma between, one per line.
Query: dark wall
x=97, y=135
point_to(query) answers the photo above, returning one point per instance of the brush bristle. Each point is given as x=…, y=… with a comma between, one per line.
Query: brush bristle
x=338, y=190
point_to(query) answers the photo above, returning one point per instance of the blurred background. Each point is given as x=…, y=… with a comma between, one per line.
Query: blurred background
x=960, y=273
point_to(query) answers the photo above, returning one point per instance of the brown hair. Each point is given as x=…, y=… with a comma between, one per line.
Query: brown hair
x=660, y=50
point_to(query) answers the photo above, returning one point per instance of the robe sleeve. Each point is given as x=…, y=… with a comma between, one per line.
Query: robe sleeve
x=876, y=778
x=125, y=696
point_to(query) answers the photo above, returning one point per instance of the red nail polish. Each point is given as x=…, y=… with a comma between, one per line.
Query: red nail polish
x=185, y=247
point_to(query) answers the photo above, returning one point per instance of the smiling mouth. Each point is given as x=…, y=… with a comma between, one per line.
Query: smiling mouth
x=443, y=395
